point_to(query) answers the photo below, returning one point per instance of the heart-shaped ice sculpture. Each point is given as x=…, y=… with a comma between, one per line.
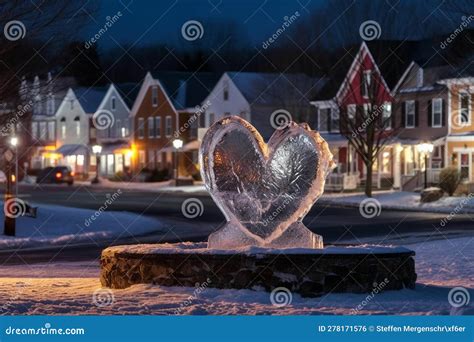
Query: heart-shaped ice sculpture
x=264, y=190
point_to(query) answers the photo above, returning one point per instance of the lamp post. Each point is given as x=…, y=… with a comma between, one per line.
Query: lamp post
x=14, y=142
x=425, y=148
x=177, y=144
x=96, y=149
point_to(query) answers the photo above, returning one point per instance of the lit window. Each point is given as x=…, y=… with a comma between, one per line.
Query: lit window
x=141, y=128
x=51, y=131
x=387, y=115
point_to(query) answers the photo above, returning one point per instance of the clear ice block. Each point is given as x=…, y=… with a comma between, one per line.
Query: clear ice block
x=264, y=190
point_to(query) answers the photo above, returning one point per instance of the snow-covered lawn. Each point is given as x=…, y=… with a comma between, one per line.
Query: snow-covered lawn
x=57, y=225
x=74, y=288
x=404, y=200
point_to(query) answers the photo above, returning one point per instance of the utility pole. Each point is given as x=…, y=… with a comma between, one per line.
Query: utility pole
x=10, y=223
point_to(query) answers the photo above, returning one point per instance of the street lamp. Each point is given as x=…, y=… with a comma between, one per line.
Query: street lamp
x=426, y=149
x=14, y=142
x=177, y=144
x=96, y=149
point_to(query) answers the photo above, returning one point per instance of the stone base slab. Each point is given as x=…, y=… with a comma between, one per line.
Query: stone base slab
x=309, y=272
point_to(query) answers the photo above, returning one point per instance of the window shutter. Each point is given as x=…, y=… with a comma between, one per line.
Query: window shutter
x=416, y=113
x=328, y=119
x=404, y=112
x=429, y=112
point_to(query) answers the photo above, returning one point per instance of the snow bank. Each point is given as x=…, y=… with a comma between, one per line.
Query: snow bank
x=57, y=225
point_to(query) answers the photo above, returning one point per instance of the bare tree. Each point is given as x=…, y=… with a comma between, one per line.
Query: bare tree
x=367, y=126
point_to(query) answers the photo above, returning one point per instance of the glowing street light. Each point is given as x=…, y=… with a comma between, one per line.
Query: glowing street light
x=177, y=144
x=96, y=149
x=425, y=148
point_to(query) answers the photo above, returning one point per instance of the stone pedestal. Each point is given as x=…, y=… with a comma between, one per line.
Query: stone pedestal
x=309, y=272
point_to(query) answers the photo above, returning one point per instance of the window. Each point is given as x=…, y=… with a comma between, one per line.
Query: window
x=151, y=127
x=436, y=112
x=168, y=126
x=387, y=115
x=151, y=159
x=141, y=128
x=77, y=122
x=465, y=115
x=351, y=111
x=51, y=131
x=157, y=127
x=334, y=123
x=141, y=158
x=117, y=127
x=437, y=152
x=323, y=116
x=366, y=82
x=225, y=92
x=464, y=166
x=212, y=118
x=34, y=130
x=410, y=114
x=43, y=130
x=112, y=103
x=71, y=104
x=154, y=96
x=50, y=105
x=63, y=128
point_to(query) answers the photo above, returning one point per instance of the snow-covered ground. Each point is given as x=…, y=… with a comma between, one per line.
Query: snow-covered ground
x=57, y=225
x=74, y=288
x=165, y=186
x=403, y=200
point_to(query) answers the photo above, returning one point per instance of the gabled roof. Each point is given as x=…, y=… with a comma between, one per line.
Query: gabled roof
x=187, y=89
x=273, y=89
x=390, y=57
x=128, y=91
x=420, y=78
x=90, y=97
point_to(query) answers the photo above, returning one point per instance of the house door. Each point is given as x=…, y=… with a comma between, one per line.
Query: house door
x=465, y=166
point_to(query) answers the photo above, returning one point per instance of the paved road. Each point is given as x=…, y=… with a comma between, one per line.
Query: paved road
x=337, y=224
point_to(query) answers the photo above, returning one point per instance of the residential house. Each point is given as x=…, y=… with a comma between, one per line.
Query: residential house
x=459, y=149
x=421, y=109
x=256, y=96
x=113, y=127
x=75, y=131
x=46, y=96
x=355, y=75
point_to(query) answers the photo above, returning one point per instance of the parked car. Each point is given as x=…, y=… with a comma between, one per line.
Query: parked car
x=56, y=174
x=3, y=178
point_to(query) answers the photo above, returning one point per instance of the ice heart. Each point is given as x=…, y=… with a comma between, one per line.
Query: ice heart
x=264, y=190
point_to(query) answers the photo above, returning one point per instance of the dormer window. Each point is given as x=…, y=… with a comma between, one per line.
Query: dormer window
x=366, y=82
x=112, y=103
